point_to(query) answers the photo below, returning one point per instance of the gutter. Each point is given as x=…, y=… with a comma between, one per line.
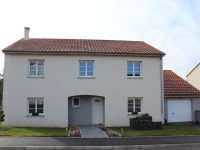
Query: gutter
x=187, y=96
x=42, y=52
x=162, y=89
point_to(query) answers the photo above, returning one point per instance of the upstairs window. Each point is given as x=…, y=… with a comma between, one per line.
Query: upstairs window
x=133, y=69
x=35, y=106
x=36, y=68
x=134, y=105
x=86, y=68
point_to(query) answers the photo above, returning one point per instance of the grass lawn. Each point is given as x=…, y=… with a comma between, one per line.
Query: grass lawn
x=168, y=130
x=26, y=131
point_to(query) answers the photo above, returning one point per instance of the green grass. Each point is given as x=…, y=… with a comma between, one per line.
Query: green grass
x=168, y=130
x=26, y=131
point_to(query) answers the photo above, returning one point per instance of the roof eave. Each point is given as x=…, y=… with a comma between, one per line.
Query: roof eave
x=13, y=52
x=182, y=96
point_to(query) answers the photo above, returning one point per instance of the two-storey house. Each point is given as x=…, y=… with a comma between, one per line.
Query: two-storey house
x=57, y=82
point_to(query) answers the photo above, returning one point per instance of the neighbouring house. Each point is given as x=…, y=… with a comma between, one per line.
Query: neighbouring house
x=57, y=82
x=182, y=99
x=194, y=76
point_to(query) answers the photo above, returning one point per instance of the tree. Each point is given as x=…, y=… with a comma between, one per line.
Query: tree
x=2, y=116
x=1, y=91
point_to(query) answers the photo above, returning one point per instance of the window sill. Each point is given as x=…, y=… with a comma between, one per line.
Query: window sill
x=135, y=77
x=86, y=77
x=31, y=116
x=36, y=77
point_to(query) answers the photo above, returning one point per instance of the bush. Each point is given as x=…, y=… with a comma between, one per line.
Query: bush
x=1, y=115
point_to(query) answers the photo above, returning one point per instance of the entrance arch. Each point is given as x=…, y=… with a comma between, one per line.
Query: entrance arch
x=86, y=110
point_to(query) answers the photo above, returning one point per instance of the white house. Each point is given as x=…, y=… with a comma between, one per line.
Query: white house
x=57, y=82
x=194, y=76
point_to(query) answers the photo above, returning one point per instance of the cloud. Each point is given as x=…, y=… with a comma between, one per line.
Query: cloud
x=172, y=26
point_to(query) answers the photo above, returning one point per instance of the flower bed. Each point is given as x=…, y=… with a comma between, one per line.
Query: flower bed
x=74, y=131
x=109, y=132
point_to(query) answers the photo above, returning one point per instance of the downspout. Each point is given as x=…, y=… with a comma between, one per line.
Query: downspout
x=162, y=89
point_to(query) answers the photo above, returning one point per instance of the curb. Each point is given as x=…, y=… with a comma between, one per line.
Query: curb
x=101, y=147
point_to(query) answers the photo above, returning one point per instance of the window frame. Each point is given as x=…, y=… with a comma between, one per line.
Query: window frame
x=37, y=61
x=36, y=99
x=133, y=68
x=133, y=99
x=86, y=69
x=76, y=106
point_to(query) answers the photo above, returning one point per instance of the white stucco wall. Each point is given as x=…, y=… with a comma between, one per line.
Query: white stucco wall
x=195, y=107
x=61, y=81
x=194, y=77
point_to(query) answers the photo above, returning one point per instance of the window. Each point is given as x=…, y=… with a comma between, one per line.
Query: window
x=36, y=68
x=133, y=69
x=134, y=105
x=35, y=106
x=76, y=102
x=86, y=68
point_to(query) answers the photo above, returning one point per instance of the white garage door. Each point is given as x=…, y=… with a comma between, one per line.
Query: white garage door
x=179, y=110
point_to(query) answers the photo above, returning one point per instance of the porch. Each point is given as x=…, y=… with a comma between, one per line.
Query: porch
x=86, y=110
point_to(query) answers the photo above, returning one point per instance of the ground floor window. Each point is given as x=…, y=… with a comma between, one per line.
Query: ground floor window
x=35, y=106
x=75, y=102
x=134, y=105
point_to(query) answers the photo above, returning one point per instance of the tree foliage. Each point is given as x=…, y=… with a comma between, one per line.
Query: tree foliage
x=1, y=91
x=2, y=116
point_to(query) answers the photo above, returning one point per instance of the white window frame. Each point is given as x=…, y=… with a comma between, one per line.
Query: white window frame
x=133, y=67
x=37, y=69
x=86, y=71
x=35, y=99
x=76, y=106
x=133, y=99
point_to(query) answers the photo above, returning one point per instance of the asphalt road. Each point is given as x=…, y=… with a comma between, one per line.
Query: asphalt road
x=162, y=143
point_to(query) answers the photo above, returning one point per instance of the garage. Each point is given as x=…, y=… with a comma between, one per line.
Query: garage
x=181, y=99
x=179, y=110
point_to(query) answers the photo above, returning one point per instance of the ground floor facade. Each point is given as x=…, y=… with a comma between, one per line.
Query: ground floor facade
x=44, y=111
x=182, y=109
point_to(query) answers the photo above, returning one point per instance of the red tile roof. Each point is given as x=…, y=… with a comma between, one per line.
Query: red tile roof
x=82, y=46
x=175, y=86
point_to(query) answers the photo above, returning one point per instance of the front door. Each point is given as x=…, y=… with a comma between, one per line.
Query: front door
x=97, y=111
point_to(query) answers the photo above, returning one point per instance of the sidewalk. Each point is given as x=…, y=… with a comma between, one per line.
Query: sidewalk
x=62, y=141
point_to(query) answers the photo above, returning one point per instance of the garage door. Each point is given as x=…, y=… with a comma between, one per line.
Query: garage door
x=179, y=110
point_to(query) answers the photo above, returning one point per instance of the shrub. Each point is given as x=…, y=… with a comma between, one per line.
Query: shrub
x=1, y=115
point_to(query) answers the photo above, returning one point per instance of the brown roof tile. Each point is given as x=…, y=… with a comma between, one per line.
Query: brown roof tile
x=175, y=86
x=82, y=46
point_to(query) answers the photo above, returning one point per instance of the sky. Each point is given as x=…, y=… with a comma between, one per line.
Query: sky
x=172, y=26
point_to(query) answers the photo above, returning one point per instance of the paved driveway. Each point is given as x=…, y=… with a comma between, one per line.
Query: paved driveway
x=92, y=132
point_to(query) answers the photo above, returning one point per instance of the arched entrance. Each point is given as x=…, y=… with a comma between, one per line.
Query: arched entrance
x=86, y=110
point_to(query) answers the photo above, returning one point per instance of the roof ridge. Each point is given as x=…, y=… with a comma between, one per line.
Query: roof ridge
x=82, y=39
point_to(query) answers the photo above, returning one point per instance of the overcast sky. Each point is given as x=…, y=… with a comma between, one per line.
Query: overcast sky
x=172, y=26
